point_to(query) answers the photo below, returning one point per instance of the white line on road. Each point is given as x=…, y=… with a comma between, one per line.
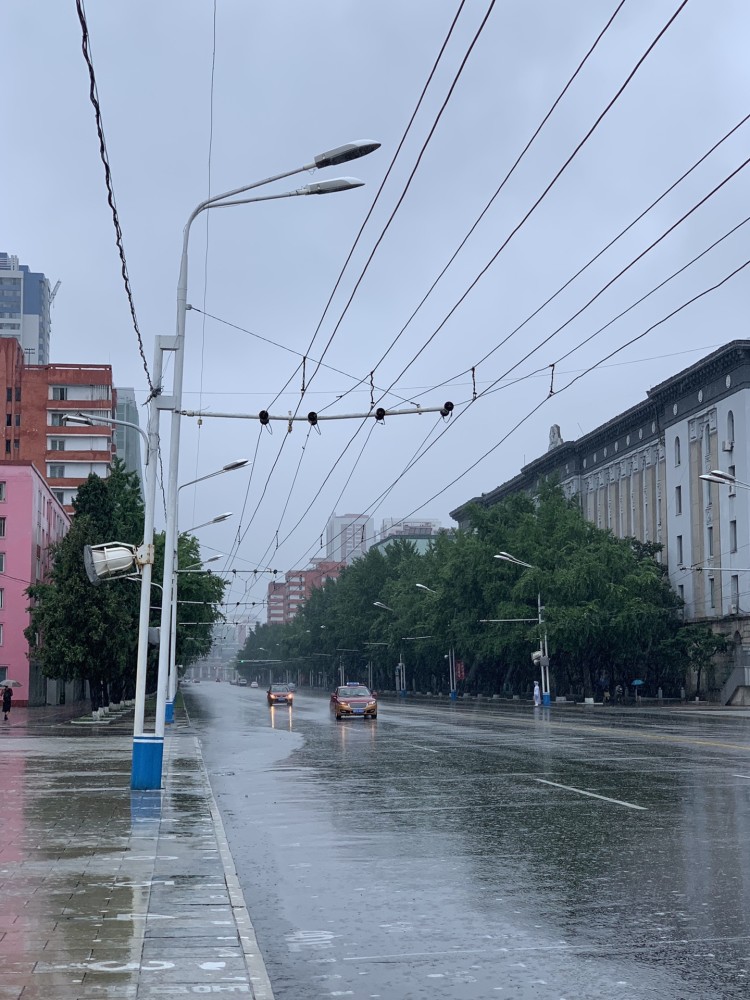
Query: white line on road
x=593, y=795
x=741, y=775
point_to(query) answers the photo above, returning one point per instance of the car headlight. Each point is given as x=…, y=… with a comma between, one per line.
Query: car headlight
x=344, y=704
x=371, y=704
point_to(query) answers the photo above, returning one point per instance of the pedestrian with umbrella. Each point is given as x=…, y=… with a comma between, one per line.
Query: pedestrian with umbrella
x=7, y=700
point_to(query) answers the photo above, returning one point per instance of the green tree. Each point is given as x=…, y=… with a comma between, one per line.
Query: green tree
x=78, y=630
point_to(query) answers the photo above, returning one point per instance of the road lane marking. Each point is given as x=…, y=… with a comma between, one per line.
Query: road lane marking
x=593, y=795
x=741, y=775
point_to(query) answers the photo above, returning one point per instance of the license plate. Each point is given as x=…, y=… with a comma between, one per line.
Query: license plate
x=359, y=711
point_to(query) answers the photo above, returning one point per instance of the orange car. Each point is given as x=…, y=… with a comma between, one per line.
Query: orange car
x=352, y=700
x=280, y=694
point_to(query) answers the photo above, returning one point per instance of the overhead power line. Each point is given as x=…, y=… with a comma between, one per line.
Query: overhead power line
x=94, y=97
x=610, y=104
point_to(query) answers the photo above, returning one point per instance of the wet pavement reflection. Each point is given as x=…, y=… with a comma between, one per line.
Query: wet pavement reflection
x=108, y=892
x=467, y=851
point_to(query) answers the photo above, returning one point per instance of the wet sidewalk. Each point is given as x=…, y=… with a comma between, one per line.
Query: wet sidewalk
x=106, y=892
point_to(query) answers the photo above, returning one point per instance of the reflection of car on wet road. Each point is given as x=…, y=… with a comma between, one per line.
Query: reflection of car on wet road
x=354, y=699
x=279, y=694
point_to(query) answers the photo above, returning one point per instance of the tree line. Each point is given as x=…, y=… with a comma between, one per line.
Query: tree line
x=90, y=633
x=610, y=614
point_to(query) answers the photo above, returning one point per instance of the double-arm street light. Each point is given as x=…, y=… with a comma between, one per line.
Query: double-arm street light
x=340, y=154
x=542, y=657
x=167, y=665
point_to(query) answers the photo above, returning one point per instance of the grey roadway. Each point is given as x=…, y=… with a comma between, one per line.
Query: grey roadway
x=462, y=852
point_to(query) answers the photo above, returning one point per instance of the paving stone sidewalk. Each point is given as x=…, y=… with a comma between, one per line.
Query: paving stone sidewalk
x=106, y=892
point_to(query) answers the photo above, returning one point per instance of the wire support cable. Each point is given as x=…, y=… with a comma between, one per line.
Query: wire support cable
x=94, y=98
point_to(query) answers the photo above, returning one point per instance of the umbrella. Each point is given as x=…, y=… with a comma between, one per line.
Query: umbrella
x=637, y=683
x=10, y=684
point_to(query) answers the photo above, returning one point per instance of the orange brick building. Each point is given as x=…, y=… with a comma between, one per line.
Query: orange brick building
x=36, y=399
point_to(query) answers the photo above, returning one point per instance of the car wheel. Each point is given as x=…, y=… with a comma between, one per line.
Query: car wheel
x=338, y=717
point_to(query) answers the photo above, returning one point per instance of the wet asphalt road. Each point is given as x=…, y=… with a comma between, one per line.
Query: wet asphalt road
x=463, y=852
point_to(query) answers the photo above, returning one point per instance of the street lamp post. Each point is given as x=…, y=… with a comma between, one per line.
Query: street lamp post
x=167, y=667
x=542, y=657
x=340, y=154
x=451, y=657
x=400, y=666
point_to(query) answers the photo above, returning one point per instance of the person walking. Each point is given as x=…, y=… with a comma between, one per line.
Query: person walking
x=7, y=699
x=537, y=694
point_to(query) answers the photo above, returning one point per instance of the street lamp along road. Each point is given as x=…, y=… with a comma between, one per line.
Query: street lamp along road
x=451, y=657
x=332, y=157
x=540, y=658
x=171, y=669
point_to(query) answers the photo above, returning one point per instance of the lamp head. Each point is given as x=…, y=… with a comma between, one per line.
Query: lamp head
x=330, y=187
x=109, y=560
x=349, y=151
x=240, y=463
x=77, y=419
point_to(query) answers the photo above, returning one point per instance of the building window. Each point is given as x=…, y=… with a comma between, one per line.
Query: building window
x=732, y=536
x=732, y=470
x=9, y=395
x=712, y=591
x=710, y=541
x=730, y=427
x=735, y=595
x=2, y=598
x=2, y=562
x=57, y=444
x=18, y=393
x=681, y=592
x=16, y=444
x=56, y=420
x=679, y=550
x=7, y=447
x=1, y=634
x=2, y=492
x=678, y=499
x=8, y=419
x=59, y=495
x=59, y=392
x=56, y=471
x=676, y=451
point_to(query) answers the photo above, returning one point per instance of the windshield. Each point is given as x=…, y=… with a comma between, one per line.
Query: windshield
x=354, y=692
x=279, y=687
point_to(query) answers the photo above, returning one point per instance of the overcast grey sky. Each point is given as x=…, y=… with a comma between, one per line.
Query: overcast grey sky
x=292, y=79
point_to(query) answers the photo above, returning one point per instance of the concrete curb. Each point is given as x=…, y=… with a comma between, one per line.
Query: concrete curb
x=256, y=967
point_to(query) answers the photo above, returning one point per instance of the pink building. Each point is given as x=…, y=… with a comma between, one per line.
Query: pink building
x=30, y=520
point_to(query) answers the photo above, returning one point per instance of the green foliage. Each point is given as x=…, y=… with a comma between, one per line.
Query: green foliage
x=90, y=632
x=609, y=613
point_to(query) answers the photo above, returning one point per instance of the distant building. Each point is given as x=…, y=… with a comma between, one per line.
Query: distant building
x=31, y=519
x=421, y=543
x=391, y=527
x=25, y=301
x=127, y=439
x=638, y=475
x=37, y=397
x=287, y=597
x=348, y=536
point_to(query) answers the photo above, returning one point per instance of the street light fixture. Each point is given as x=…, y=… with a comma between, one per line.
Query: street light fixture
x=379, y=604
x=452, y=678
x=340, y=154
x=542, y=657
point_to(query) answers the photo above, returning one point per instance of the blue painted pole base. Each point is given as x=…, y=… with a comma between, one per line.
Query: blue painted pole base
x=454, y=695
x=169, y=713
x=148, y=753
x=546, y=700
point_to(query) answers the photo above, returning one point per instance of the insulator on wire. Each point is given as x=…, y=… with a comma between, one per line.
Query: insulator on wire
x=264, y=417
x=380, y=415
x=446, y=409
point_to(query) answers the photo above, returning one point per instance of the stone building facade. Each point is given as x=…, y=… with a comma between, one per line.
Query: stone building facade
x=638, y=475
